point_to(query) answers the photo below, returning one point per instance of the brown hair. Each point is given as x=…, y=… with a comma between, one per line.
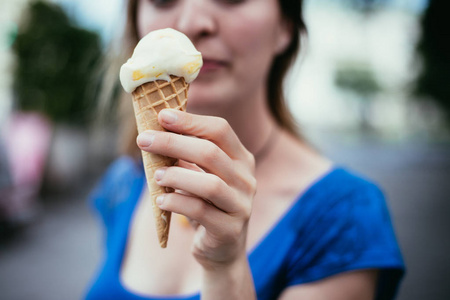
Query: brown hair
x=292, y=12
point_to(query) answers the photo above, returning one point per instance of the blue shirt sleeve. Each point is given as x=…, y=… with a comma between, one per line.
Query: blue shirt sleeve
x=350, y=230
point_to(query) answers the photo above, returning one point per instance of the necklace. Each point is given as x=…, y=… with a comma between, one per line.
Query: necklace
x=268, y=145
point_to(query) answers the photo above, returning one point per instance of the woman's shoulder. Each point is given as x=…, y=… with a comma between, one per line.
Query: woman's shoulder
x=342, y=223
x=345, y=181
x=340, y=192
x=348, y=212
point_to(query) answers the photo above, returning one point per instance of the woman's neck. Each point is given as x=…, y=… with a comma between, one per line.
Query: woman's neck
x=252, y=122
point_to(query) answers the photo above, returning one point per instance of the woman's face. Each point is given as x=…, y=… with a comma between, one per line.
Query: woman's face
x=238, y=40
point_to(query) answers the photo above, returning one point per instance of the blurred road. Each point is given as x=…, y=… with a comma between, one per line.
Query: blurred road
x=56, y=257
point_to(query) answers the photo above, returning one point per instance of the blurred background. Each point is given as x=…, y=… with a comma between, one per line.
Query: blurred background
x=371, y=90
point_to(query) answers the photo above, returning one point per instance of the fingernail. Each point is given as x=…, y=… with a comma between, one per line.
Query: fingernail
x=159, y=174
x=168, y=116
x=145, y=139
x=160, y=200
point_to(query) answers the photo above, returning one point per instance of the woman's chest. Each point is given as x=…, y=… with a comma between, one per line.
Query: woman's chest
x=150, y=270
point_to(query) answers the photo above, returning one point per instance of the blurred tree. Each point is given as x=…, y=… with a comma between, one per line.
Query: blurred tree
x=55, y=65
x=358, y=79
x=364, y=6
x=434, y=50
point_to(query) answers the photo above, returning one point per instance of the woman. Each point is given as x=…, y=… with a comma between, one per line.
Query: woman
x=270, y=218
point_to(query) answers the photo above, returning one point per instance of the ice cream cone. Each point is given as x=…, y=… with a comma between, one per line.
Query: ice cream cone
x=148, y=100
x=158, y=73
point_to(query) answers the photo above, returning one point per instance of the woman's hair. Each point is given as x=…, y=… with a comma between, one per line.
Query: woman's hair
x=292, y=12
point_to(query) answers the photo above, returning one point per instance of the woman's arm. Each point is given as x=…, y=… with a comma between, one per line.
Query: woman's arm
x=216, y=192
x=356, y=285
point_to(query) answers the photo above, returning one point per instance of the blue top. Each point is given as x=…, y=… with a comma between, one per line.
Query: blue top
x=340, y=223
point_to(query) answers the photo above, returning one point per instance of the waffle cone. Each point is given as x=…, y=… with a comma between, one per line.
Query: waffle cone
x=148, y=100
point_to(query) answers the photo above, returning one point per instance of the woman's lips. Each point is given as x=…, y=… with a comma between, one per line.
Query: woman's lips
x=211, y=65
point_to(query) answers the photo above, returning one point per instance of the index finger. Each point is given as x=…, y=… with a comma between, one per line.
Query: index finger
x=214, y=129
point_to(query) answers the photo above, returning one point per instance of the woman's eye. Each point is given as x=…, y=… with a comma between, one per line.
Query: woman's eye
x=232, y=1
x=162, y=3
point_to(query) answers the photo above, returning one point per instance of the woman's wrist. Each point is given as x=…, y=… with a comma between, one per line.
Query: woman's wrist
x=229, y=281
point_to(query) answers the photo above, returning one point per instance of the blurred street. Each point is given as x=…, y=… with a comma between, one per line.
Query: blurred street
x=57, y=256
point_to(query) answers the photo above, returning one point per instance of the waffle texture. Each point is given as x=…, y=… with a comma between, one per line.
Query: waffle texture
x=148, y=100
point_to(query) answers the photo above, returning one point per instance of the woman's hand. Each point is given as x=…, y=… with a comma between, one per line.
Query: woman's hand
x=217, y=192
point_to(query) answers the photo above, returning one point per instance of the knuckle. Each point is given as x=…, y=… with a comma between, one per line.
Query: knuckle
x=199, y=210
x=214, y=187
x=169, y=142
x=211, y=153
x=233, y=233
x=221, y=121
x=222, y=125
x=168, y=200
x=245, y=209
x=251, y=161
x=247, y=184
x=253, y=185
x=188, y=122
x=169, y=176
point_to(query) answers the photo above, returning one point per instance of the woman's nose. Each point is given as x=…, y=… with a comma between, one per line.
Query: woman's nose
x=196, y=19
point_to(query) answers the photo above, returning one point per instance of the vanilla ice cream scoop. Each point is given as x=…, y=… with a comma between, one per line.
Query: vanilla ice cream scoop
x=158, y=55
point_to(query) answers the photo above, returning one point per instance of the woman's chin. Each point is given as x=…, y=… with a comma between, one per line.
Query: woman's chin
x=211, y=97
x=202, y=106
x=202, y=99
